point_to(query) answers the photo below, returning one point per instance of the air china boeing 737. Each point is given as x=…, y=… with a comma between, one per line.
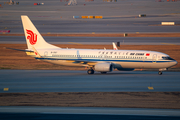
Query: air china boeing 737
x=99, y=60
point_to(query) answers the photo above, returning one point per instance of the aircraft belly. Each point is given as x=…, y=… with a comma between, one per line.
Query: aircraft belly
x=130, y=65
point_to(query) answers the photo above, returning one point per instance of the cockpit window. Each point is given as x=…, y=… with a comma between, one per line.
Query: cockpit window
x=167, y=58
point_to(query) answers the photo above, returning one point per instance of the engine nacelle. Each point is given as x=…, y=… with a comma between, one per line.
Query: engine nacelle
x=103, y=67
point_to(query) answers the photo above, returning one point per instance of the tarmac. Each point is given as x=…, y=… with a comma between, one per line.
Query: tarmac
x=97, y=40
x=79, y=81
x=118, y=17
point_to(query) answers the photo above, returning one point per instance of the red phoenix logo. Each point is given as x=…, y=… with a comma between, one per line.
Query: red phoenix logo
x=32, y=37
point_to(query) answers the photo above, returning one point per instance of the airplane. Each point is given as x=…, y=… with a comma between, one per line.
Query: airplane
x=99, y=60
x=114, y=46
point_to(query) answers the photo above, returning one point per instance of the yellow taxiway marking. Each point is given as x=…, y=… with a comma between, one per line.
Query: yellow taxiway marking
x=6, y=89
x=75, y=43
x=150, y=88
x=167, y=43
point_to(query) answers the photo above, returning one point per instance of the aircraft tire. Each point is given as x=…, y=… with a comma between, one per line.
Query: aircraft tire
x=160, y=72
x=90, y=71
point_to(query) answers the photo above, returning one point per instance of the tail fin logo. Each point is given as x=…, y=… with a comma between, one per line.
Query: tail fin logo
x=32, y=37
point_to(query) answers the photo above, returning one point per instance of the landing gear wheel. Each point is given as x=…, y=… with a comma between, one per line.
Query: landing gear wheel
x=103, y=72
x=160, y=72
x=90, y=71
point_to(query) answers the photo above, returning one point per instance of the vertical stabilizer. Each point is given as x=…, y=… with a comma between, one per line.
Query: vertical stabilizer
x=32, y=35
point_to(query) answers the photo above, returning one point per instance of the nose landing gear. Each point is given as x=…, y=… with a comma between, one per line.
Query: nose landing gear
x=160, y=72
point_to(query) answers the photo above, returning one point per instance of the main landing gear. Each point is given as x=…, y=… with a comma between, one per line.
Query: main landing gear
x=90, y=71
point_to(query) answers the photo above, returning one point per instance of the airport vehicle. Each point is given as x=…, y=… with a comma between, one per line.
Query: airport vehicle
x=100, y=60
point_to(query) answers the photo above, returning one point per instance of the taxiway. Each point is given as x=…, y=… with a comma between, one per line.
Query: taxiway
x=80, y=81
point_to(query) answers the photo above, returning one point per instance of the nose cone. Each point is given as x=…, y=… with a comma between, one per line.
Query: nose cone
x=173, y=63
x=176, y=63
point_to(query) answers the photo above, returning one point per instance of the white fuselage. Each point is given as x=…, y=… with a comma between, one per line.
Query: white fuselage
x=119, y=58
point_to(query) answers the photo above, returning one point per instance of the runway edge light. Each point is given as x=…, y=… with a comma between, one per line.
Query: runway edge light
x=6, y=89
x=150, y=88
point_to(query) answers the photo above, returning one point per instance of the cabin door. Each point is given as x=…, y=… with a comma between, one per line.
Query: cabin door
x=45, y=53
x=104, y=57
x=154, y=58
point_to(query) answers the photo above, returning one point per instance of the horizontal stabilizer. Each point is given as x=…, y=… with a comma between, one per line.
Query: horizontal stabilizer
x=19, y=49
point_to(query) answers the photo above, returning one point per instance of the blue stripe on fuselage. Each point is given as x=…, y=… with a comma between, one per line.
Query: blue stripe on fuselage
x=96, y=60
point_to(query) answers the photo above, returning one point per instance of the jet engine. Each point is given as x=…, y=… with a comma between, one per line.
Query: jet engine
x=103, y=67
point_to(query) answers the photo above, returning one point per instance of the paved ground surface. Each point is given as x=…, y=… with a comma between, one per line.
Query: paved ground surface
x=118, y=17
x=90, y=110
x=97, y=40
x=46, y=116
x=78, y=113
x=56, y=10
x=80, y=81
